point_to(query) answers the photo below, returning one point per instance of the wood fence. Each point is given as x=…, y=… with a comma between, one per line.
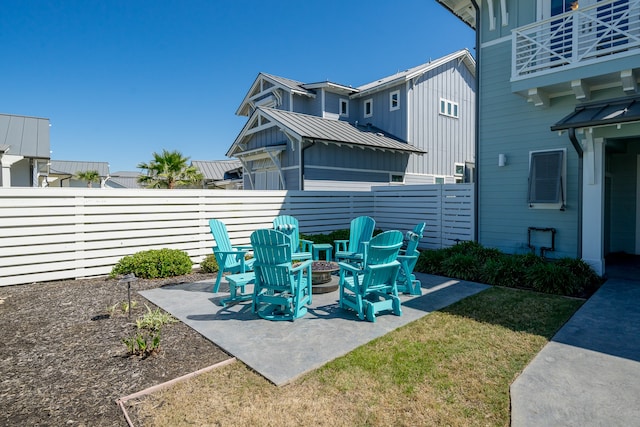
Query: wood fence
x=64, y=233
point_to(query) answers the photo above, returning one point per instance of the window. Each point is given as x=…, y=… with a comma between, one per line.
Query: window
x=397, y=179
x=547, y=179
x=394, y=100
x=344, y=107
x=458, y=169
x=368, y=108
x=448, y=108
x=439, y=180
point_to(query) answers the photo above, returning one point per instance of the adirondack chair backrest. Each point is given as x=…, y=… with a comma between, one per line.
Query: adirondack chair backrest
x=223, y=244
x=272, y=251
x=289, y=226
x=384, y=248
x=361, y=231
x=413, y=238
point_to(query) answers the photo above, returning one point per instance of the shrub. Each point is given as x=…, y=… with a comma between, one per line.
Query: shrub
x=154, y=263
x=505, y=270
x=461, y=266
x=430, y=261
x=587, y=279
x=209, y=264
x=553, y=278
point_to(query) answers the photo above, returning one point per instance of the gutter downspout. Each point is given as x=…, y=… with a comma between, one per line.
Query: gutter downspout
x=476, y=181
x=580, y=151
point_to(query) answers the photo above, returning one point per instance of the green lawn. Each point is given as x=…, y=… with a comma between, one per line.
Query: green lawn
x=451, y=367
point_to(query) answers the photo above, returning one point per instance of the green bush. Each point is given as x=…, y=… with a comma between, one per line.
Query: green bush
x=430, y=261
x=154, y=263
x=209, y=264
x=506, y=270
x=461, y=266
x=553, y=278
x=587, y=279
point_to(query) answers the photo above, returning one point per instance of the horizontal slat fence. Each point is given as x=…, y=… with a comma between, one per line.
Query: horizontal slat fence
x=62, y=233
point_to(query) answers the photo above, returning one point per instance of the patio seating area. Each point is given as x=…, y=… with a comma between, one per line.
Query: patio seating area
x=328, y=331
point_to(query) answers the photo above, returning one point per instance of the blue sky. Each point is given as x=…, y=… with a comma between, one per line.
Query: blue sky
x=122, y=79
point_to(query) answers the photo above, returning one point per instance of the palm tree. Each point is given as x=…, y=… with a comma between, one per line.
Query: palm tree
x=90, y=176
x=169, y=170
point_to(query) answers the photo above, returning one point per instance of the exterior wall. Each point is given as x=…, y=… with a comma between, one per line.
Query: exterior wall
x=511, y=126
x=332, y=105
x=393, y=122
x=21, y=173
x=446, y=140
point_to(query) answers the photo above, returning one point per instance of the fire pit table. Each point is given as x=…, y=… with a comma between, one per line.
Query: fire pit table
x=322, y=278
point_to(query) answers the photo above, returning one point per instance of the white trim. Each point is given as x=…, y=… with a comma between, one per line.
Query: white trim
x=364, y=108
x=392, y=174
x=395, y=93
x=496, y=41
x=449, y=108
x=563, y=177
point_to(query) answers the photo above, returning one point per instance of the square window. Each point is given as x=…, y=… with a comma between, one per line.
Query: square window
x=439, y=180
x=368, y=108
x=394, y=100
x=459, y=169
x=397, y=178
x=344, y=107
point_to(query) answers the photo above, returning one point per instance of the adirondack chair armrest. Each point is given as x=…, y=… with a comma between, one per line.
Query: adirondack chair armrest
x=302, y=266
x=349, y=267
x=244, y=248
x=306, y=245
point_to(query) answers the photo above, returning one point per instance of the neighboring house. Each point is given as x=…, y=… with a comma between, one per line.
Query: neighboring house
x=220, y=174
x=24, y=150
x=61, y=173
x=416, y=126
x=123, y=179
x=558, y=157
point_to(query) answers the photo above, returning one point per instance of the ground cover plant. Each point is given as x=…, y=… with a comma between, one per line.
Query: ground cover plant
x=473, y=262
x=452, y=367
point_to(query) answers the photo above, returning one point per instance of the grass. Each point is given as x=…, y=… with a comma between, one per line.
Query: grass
x=452, y=367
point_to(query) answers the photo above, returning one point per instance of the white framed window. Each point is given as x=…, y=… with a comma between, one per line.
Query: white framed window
x=394, y=100
x=439, y=180
x=396, y=178
x=458, y=169
x=547, y=179
x=449, y=108
x=344, y=107
x=368, y=107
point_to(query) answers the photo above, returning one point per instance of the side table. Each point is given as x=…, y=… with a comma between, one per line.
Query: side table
x=327, y=248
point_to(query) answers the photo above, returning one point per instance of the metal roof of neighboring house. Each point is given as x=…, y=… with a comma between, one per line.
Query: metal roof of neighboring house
x=124, y=179
x=464, y=9
x=602, y=113
x=411, y=73
x=25, y=136
x=289, y=83
x=304, y=126
x=70, y=167
x=215, y=169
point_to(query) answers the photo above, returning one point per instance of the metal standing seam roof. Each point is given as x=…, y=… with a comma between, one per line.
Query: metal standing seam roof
x=26, y=136
x=70, y=167
x=336, y=131
x=289, y=83
x=602, y=113
x=215, y=169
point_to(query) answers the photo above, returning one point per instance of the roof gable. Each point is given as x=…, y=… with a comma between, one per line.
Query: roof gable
x=265, y=85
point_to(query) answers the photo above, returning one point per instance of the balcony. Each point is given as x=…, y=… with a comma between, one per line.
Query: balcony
x=579, y=51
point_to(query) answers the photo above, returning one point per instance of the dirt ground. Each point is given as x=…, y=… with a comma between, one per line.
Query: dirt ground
x=62, y=359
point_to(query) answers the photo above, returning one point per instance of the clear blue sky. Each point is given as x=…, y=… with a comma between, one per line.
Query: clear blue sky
x=122, y=79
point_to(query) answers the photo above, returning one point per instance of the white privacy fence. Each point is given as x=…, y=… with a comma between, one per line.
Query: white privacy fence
x=62, y=233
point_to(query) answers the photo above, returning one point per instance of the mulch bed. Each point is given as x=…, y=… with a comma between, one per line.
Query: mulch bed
x=62, y=359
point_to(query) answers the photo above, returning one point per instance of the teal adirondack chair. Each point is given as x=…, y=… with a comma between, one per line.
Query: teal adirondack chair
x=231, y=259
x=289, y=225
x=372, y=288
x=407, y=282
x=360, y=233
x=281, y=291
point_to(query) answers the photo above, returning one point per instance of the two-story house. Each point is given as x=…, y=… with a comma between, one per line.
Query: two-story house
x=416, y=126
x=558, y=159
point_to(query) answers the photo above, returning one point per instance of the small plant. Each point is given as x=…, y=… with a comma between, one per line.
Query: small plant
x=154, y=263
x=154, y=319
x=209, y=264
x=147, y=339
x=125, y=306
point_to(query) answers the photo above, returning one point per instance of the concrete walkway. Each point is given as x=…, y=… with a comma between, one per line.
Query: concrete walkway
x=589, y=374
x=323, y=334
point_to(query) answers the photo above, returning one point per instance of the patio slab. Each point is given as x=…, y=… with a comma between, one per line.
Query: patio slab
x=323, y=334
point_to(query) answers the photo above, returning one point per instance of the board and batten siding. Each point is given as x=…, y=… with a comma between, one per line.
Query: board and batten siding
x=64, y=233
x=511, y=126
x=446, y=140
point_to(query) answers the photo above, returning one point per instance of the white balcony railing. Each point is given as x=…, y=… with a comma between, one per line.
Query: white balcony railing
x=600, y=32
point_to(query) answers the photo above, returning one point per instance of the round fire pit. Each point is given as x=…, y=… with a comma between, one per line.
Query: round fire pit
x=322, y=278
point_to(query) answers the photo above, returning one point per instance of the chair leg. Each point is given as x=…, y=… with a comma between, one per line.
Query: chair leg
x=218, y=279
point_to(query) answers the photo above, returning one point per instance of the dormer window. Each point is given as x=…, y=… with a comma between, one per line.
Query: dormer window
x=394, y=100
x=368, y=107
x=344, y=107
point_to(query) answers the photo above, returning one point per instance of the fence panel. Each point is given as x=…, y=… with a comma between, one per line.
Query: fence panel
x=62, y=233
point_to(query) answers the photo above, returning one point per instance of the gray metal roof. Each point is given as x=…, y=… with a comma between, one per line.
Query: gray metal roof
x=25, y=136
x=336, y=131
x=215, y=169
x=69, y=167
x=414, y=72
x=602, y=113
x=124, y=179
x=289, y=83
